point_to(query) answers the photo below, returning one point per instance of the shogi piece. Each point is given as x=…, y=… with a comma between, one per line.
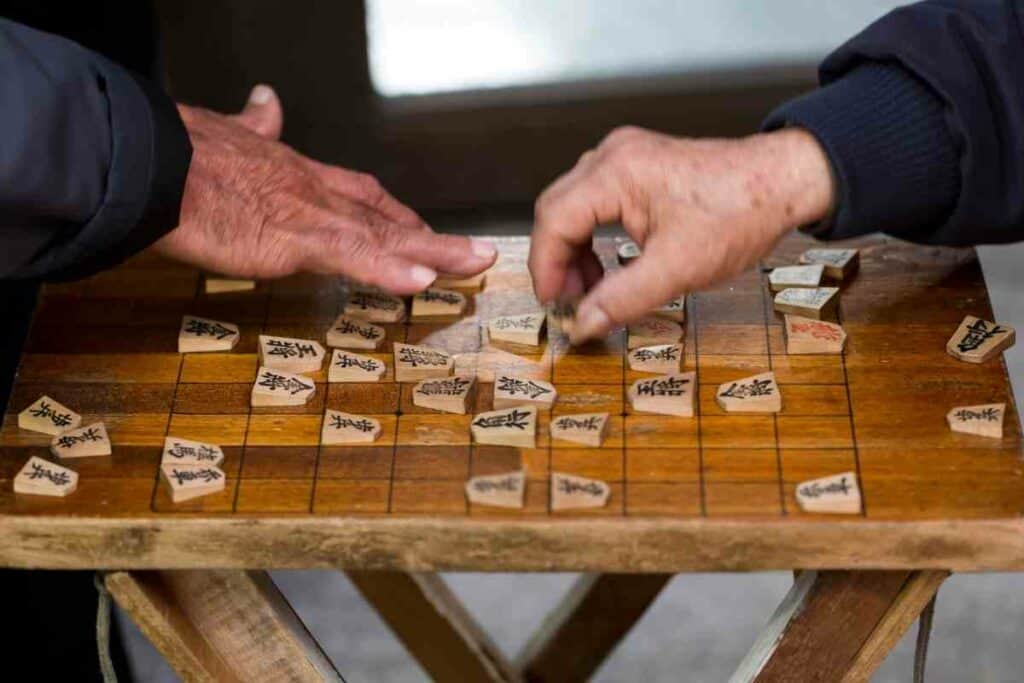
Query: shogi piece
x=199, y=335
x=448, y=394
x=413, y=363
x=374, y=307
x=498, y=490
x=43, y=478
x=517, y=329
x=796, y=276
x=837, y=494
x=588, y=429
x=673, y=310
x=665, y=395
x=977, y=340
x=839, y=263
x=185, y=482
x=664, y=359
x=808, y=336
x=352, y=333
x=508, y=427
x=653, y=331
x=561, y=317
x=84, y=442
x=512, y=391
x=756, y=394
x=818, y=303
x=569, y=492
x=341, y=428
x=434, y=301
x=292, y=355
x=628, y=251
x=354, y=367
x=280, y=388
x=473, y=283
x=48, y=417
x=223, y=285
x=186, y=452
x=983, y=420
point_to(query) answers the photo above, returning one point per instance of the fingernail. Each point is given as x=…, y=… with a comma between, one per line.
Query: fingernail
x=261, y=94
x=482, y=248
x=590, y=322
x=422, y=276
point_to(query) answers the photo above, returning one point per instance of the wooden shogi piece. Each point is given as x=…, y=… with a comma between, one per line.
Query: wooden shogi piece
x=755, y=394
x=292, y=355
x=517, y=329
x=806, y=336
x=569, y=492
x=434, y=302
x=188, y=452
x=341, y=428
x=818, y=303
x=561, y=317
x=47, y=416
x=652, y=331
x=354, y=367
x=839, y=263
x=186, y=482
x=352, y=333
x=672, y=394
x=980, y=420
x=627, y=251
x=497, y=490
x=200, y=335
x=281, y=388
x=473, y=283
x=510, y=391
x=673, y=310
x=977, y=340
x=223, y=285
x=84, y=442
x=664, y=359
x=837, y=494
x=374, y=307
x=43, y=478
x=447, y=394
x=507, y=427
x=413, y=363
x=808, y=276
x=588, y=429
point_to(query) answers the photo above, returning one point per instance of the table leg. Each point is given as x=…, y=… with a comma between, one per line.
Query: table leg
x=221, y=625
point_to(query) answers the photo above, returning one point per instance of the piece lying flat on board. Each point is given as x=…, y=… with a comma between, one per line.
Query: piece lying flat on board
x=187, y=452
x=507, y=427
x=981, y=420
x=447, y=394
x=512, y=391
x=84, y=442
x=281, y=388
x=434, y=301
x=588, y=429
x=673, y=310
x=517, y=329
x=808, y=336
x=497, y=490
x=755, y=394
x=627, y=251
x=224, y=285
x=977, y=340
x=293, y=355
x=354, y=367
x=43, y=478
x=839, y=263
x=817, y=303
x=569, y=492
x=666, y=395
x=352, y=333
x=653, y=331
x=199, y=335
x=344, y=428
x=374, y=307
x=473, y=283
x=796, y=276
x=47, y=416
x=413, y=363
x=664, y=359
x=186, y=482
x=837, y=494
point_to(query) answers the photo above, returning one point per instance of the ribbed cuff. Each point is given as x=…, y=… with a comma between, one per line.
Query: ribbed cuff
x=894, y=159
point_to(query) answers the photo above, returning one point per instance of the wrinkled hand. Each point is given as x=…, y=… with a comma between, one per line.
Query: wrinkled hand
x=254, y=207
x=702, y=211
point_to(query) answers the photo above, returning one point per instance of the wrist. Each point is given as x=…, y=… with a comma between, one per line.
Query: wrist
x=800, y=173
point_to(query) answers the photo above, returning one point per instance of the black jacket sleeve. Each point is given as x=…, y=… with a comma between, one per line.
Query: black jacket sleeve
x=92, y=158
x=922, y=116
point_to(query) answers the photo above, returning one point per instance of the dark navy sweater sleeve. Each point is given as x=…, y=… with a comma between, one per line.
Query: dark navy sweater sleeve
x=93, y=159
x=922, y=117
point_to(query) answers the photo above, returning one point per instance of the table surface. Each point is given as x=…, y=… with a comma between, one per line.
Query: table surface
x=711, y=492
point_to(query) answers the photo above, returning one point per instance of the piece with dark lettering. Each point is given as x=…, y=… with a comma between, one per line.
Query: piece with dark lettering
x=374, y=307
x=839, y=263
x=809, y=336
x=347, y=366
x=507, y=427
x=756, y=394
x=414, y=363
x=510, y=391
x=517, y=329
x=447, y=394
x=588, y=429
x=40, y=477
x=200, y=335
x=293, y=355
x=435, y=302
x=569, y=492
x=671, y=394
x=835, y=494
x=84, y=442
x=977, y=340
x=818, y=303
x=281, y=388
x=673, y=310
x=980, y=420
x=498, y=490
x=661, y=359
x=340, y=429
x=47, y=416
x=187, y=481
x=187, y=452
x=347, y=332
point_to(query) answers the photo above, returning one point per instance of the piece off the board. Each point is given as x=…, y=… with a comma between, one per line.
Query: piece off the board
x=587, y=429
x=569, y=492
x=806, y=336
x=819, y=303
x=510, y=391
x=201, y=335
x=84, y=442
x=40, y=477
x=508, y=427
x=981, y=420
x=352, y=333
x=836, y=494
x=340, y=429
x=665, y=395
x=446, y=394
x=978, y=341
x=756, y=394
x=280, y=388
x=354, y=367
x=497, y=490
x=47, y=416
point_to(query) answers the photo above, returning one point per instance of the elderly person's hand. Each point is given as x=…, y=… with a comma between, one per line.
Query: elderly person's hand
x=254, y=207
x=701, y=210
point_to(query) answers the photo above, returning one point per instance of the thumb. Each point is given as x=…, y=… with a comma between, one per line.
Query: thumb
x=262, y=113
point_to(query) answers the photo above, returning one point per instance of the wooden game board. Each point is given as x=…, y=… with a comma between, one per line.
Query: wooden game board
x=712, y=492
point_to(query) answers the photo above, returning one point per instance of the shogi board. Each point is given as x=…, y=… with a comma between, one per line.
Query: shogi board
x=716, y=491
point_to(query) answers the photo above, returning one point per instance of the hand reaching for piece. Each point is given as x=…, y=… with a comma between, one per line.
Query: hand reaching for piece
x=254, y=207
x=702, y=211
